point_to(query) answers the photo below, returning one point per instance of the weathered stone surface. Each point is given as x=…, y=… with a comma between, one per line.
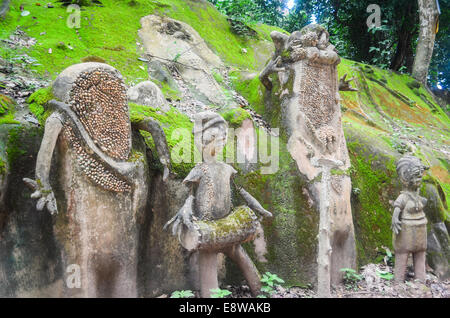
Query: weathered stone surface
x=302, y=86
x=95, y=214
x=148, y=93
x=176, y=43
x=207, y=222
x=409, y=220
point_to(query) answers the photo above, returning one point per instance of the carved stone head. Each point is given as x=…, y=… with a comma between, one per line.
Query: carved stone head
x=410, y=170
x=210, y=133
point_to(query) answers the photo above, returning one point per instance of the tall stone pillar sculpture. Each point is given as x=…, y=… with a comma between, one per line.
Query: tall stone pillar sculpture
x=409, y=222
x=100, y=188
x=302, y=78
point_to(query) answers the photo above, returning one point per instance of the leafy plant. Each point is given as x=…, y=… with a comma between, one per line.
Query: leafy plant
x=182, y=294
x=270, y=282
x=351, y=278
x=385, y=275
x=386, y=257
x=219, y=293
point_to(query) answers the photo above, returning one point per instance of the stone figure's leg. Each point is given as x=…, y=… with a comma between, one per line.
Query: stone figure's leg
x=419, y=265
x=401, y=260
x=240, y=257
x=207, y=262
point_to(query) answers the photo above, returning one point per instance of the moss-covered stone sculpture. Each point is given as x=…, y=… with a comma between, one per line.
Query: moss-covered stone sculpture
x=301, y=80
x=409, y=222
x=102, y=185
x=206, y=222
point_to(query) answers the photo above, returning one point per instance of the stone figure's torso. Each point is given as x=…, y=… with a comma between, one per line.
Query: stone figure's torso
x=213, y=191
x=411, y=206
x=99, y=100
x=317, y=93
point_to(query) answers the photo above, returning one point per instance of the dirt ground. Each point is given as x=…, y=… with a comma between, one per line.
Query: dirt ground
x=371, y=285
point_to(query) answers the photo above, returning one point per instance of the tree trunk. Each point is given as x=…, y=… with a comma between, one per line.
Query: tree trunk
x=405, y=38
x=428, y=15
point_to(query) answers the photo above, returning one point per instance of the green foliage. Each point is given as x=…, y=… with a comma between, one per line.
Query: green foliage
x=271, y=12
x=219, y=293
x=79, y=2
x=236, y=116
x=38, y=102
x=351, y=278
x=182, y=294
x=178, y=130
x=385, y=256
x=7, y=110
x=270, y=282
x=385, y=275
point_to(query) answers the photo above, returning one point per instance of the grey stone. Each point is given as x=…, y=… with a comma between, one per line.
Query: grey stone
x=149, y=94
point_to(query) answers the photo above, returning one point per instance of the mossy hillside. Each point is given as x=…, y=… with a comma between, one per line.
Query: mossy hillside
x=250, y=88
x=421, y=119
x=235, y=116
x=7, y=110
x=373, y=185
x=117, y=45
x=178, y=130
x=37, y=103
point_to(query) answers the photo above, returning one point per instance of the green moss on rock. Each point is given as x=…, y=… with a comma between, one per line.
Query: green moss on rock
x=178, y=130
x=38, y=104
x=236, y=116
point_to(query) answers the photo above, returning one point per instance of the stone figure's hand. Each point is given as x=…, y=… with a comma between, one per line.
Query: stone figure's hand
x=344, y=85
x=396, y=224
x=45, y=195
x=183, y=217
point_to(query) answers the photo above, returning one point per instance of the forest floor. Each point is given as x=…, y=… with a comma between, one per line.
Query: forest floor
x=371, y=284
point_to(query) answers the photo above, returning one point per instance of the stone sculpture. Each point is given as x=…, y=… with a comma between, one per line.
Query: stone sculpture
x=206, y=222
x=302, y=80
x=101, y=186
x=409, y=222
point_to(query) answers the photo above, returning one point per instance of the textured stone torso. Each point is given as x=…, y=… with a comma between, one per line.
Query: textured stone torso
x=99, y=100
x=412, y=209
x=317, y=93
x=213, y=193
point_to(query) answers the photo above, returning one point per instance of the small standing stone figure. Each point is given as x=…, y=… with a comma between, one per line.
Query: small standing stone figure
x=409, y=222
x=207, y=222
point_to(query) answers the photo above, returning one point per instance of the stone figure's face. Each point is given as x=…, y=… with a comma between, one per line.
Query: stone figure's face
x=410, y=171
x=416, y=177
x=214, y=139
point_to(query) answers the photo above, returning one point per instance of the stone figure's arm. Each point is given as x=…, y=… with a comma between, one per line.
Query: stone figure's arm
x=41, y=186
x=252, y=202
x=270, y=68
x=186, y=214
x=398, y=205
x=396, y=223
x=153, y=127
x=183, y=217
x=344, y=85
